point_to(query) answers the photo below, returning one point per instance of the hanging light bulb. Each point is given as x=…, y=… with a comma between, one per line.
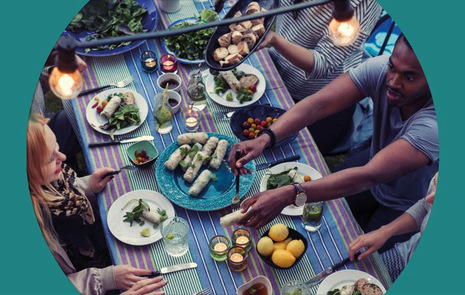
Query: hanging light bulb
x=344, y=28
x=65, y=80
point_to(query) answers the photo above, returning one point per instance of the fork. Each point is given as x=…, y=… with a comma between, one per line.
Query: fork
x=204, y=292
x=127, y=167
x=120, y=84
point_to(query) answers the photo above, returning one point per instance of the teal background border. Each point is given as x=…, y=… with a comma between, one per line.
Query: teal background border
x=29, y=30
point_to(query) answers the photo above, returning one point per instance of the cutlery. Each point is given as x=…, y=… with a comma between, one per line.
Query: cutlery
x=120, y=84
x=274, y=163
x=228, y=114
x=236, y=198
x=135, y=139
x=204, y=292
x=127, y=167
x=319, y=277
x=169, y=269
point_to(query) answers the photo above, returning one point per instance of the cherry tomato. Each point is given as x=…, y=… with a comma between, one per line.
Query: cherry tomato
x=95, y=105
x=269, y=120
x=258, y=121
x=260, y=127
x=143, y=154
x=254, y=126
x=252, y=135
x=251, y=130
x=307, y=178
x=253, y=88
x=246, y=132
x=99, y=109
x=263, y=123
x=104, y=103
x=246, y=125
x=250, y=120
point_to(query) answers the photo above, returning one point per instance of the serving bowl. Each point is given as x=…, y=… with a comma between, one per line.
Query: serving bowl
x=295, y=235
x=140, y=146
x=257, y=111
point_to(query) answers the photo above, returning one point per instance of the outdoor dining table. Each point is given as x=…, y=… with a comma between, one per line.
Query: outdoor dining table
x=326, y=247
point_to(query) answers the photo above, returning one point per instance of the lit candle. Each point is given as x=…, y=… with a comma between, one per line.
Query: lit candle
x=148, y=61
x=168, y=63
x=191, y=122
x=242, y=240
x=219, y=247
x=236, y=257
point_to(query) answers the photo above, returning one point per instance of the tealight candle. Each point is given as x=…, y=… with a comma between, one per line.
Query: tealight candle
x=241, y=238
x=148, y=60
x=169, y=63
x=219, y=246
x=237, y=259
x=192, y=120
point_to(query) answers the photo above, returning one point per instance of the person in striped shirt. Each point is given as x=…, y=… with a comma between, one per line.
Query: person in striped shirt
x=307, y=59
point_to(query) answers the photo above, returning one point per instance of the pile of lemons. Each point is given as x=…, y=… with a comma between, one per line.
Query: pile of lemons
x=283, y=249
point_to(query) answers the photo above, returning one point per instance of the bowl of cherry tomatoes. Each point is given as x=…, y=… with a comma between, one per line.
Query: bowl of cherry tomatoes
x=246, y=123
x=142, y=154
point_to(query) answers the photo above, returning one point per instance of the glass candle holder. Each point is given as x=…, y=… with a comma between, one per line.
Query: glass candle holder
x=241, y=238
x=237, y=259
x=148, y=61
x=219, y=246
x=169, y=63
x=192, y=119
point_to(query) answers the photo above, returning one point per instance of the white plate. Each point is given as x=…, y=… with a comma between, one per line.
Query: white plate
x=95, y=120
x=346, y=277
x=131, y=234
x=302, y=169
x=221, y=99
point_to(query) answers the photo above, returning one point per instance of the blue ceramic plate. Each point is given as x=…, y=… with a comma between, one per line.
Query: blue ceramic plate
x=217, y=195
x=192, y=20
x=261, y=112
x=149, y=22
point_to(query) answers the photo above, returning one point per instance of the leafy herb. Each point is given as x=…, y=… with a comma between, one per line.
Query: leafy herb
x=220, y=85
x=109, y=18
x=278, y=180
x=214, y=177
x=184, y=151
x=192, y=45
x=199, y=158
x=184, y=165
x=136, y=213
x=193, y=151
x=244, y=95
x=126, y=115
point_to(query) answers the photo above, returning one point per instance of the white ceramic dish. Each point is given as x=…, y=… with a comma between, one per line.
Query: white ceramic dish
x=221, y=99
x=95, y=120
x=260, y=279
x=128, y=234
x=346, y=277
x=169, y=76
x=302, y=169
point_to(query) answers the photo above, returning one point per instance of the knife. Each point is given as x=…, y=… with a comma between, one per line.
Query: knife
x=105, y=143
x=173, y=268
x=319, y=277
x=236, y=198
x=274, y=163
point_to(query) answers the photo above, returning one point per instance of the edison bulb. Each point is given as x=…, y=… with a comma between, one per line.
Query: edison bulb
x=65, y=85
x=344, y=33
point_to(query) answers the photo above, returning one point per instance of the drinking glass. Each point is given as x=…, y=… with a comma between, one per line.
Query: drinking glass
x=175, y=232
x=163, y=114
x=312, y=216
x=196, y=90
x=295, y=287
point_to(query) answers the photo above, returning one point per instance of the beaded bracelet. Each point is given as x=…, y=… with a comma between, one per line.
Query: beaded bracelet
x=271, y=134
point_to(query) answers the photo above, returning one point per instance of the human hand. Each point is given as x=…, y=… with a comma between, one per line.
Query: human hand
x=80, y=64
x=97, y=180
x=146, y=286
x=266, y=206
x=268, y=41
x=127, y=276
x=372, y=240
x=250, y=149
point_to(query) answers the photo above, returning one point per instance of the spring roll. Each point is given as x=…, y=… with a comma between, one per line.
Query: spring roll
x=191, y=138
x=194, y=168
x=190, y=156
x=200, y=183
x=295, y=176
x=154, y=216
x=219, y=154
x=232, y=218
x=210, y=147
x=177, y=156
x=111, y=107
x=232, y=81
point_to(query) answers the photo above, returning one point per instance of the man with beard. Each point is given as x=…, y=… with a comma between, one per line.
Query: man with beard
x=385, y=180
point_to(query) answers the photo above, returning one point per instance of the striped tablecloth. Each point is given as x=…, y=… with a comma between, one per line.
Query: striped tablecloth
x=326, y=247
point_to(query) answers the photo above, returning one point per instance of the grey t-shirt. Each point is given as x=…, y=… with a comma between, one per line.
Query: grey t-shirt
x=420, y=130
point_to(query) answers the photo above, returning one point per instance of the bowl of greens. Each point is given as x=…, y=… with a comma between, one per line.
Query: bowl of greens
x=110, y=18
x=190, y=48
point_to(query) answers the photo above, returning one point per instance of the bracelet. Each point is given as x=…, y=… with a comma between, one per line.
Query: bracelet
x=271, y=134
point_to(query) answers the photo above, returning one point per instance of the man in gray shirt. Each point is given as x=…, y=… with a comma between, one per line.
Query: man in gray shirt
x=403, y=157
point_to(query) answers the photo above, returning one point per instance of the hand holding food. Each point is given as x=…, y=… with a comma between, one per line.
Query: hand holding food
x=250, y=149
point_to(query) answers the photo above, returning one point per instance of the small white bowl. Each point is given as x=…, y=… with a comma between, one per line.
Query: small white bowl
x=169, y=76
x=260, y=279
x=171, y=95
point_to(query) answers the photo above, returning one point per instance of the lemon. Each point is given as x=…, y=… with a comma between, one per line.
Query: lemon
x=278, y=232
x=169, y=236
x=265, y=246
x=283, y=258
x=145, y=232
x=296, y=247
x=281, y=245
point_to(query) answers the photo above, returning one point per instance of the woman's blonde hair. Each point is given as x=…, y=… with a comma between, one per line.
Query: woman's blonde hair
x=37, y=157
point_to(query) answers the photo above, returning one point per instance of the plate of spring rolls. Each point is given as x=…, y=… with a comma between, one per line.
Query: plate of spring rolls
x=143, y=229
x=236, y=88
x=286, y=173
x=116, y=111
x=193, y=172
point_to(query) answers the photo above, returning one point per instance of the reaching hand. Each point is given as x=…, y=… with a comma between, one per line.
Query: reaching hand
x=146, y=286
x=250, y=149
x=97, y=182
x=126, y=276
x=266, y=206
x=372, y=240
x=268, y=41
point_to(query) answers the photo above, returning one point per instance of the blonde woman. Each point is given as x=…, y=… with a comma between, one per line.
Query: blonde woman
x=65, y=206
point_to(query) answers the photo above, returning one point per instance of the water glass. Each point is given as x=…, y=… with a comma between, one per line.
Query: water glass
x=312, y=216
x=175, y=232
x=295, y=287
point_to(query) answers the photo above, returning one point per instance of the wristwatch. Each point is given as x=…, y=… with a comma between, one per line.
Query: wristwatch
x=301, y=196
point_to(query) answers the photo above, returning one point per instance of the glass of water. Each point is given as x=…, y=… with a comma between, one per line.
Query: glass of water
x=312, y=216
x=175, y=232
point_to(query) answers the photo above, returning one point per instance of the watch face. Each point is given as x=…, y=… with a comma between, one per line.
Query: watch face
x=300, y=199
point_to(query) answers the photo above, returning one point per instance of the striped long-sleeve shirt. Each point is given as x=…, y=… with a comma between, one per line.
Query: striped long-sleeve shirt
x=310, y=30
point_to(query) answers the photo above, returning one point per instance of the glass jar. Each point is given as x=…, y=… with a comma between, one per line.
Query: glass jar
x=163, y=114
x=196, y=90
